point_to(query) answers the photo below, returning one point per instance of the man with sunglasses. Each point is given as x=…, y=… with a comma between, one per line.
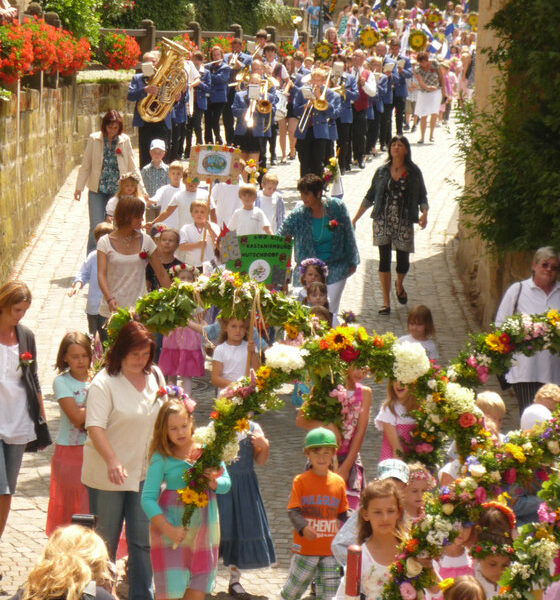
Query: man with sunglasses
x=535, y=295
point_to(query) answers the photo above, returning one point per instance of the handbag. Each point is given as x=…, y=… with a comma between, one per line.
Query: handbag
x=504, y=384
x=43, y=436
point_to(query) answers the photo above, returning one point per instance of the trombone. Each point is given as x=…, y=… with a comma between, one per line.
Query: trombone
x=244, y=74
x=319, y=104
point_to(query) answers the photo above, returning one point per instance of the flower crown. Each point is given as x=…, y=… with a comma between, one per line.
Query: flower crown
x=421, y=475
x=176, y=269
x=130, y=175
x=485, y=548
x=315, y=262
x=177, y=392
x=505, y=510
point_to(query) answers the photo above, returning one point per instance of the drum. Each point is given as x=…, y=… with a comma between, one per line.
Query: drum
x=281, y=107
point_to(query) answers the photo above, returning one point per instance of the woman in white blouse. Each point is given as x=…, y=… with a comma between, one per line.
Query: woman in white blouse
x=122, y=406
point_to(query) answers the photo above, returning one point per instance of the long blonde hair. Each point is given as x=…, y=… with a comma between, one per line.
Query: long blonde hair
x=62, y=576
x=85, y=543
x=380, y=488
x=409, y=402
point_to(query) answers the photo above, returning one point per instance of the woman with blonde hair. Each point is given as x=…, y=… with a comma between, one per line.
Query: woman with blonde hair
x=22, y=417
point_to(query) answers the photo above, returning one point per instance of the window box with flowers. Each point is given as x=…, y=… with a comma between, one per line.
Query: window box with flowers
x=119, y=51
x=16, y=52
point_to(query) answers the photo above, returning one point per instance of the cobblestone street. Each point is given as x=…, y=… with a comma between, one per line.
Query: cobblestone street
x=56, y=252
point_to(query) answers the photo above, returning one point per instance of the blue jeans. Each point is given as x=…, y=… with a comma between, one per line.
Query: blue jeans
x=97, y=201
x=112, y=508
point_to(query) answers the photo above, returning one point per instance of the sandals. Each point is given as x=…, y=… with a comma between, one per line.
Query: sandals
x=235, y=590
x=403, y=296
x=384, y=310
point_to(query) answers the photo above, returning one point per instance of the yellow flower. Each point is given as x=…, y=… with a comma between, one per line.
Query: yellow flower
x=339, y=338
x=553, y=316
x=291, y=331
x=264, y=372
x=201, y=500
x=494, y=343
x=241, y=425
x=445, y=584
x=362, y=334
x=332, y=161
x=417, y=40
x=516, y=452
x=187, y=495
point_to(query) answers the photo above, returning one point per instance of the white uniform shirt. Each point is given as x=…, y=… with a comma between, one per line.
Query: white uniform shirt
x=248, y=222
x=226, y=200
x=162, y=198
x=370, y=86
x=543, y=366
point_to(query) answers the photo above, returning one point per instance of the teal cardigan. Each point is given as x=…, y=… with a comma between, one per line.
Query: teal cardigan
x=344, y=252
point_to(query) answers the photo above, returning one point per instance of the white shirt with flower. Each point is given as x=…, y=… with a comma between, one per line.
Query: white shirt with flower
x=374, y=577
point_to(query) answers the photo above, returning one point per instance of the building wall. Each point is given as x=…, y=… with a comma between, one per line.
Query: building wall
x=35, y=164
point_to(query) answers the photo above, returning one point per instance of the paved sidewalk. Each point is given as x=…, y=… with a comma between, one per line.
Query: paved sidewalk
x=58, y=248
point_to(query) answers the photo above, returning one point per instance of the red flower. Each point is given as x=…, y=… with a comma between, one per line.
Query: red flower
x=118, y=151
x=509, y=476
x=467, y=420
x=333, y=224
x=161, y=392
x=214, y=414
x=323, y=345
x=349, y=354
x=26, y=356
x=378, y=342
x=143, y=255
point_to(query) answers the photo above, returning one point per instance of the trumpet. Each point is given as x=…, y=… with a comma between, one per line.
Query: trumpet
x=244, y=74
x=264, y=106
x=250, y=114
x=319, y=104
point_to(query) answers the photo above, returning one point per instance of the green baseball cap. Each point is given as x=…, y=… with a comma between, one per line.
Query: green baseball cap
x=320, y=436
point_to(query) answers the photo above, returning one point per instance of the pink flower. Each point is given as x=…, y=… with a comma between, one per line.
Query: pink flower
x=407, y=591
x=424, y=448
x=545, y=514
x=542, y=475
x=509, y=476
x=482, y=373
x=480, y=495
x=467, y=420
x=471, y=361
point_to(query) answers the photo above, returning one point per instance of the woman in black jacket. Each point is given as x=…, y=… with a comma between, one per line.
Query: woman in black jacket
x=398, y=195
x=22, y=415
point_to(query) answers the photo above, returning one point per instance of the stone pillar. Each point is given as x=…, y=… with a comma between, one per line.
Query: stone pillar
x=237, y=30
x=148, y=42
x=197, y=33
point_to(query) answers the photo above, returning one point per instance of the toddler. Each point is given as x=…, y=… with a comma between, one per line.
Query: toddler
x=270, y=201
x=420, y=327
x=249, y=219
x=128, y=188
x=456, y=560
x=465, y=587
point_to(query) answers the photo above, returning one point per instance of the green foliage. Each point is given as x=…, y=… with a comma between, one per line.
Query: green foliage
x=166, y=14
x=512, y=150
x=80, y=17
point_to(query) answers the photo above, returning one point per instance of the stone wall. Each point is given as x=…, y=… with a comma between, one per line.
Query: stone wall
x=485, y=276
x=52, y=137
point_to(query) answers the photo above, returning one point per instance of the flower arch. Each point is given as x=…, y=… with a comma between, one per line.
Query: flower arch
x=446, y=410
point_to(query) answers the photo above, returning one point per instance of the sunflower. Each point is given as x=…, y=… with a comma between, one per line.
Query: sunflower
x=241, y=425
x=291, y=331
x=472, y=19
x=187, y=495
x=362, y=334
x=368, y=37
x=339, y=338
x=323, y=50
x=417, y=40
x=201, y=500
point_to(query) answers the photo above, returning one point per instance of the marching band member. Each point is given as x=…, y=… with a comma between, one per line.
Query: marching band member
x=201, y=93
x=375, y=64
x=313, y=133
x=344, y=121
x=179, y=113
x=389, y=66
x=277, y=70
x=297, y=72
x=236, y=60
x=219, y=77
x=367, y=89
x=400, y=75
x=260, y=39
x=252, y=128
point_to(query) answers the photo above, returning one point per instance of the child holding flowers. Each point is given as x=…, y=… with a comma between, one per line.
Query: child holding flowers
x=381, y=531
x=355, y=401
x=493, y=550
x=420, y=480
x=455, y=560
x=394, y=421
x=245, y=539
x=182, y=559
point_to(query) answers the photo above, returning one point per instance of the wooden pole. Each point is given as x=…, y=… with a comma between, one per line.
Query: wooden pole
x=208, y=219
x=353, y=572
x=250, y=332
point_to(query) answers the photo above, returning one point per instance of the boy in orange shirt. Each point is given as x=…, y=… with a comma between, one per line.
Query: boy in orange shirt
x=317, y=503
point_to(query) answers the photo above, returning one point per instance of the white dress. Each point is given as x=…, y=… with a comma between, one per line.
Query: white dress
x=374, y=578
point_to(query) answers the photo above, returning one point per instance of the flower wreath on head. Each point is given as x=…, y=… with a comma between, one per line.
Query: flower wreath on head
x=176, y=269
x=505, y=510
x=485, y=548
x=422, y=475
x=315, y=262
x=130, y=175
x=176, y=392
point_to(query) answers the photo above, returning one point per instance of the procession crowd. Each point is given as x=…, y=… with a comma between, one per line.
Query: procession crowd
x=126, y=434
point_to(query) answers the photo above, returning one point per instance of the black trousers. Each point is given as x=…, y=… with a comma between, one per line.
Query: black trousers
x=212, y=123
x=344, y=131
x=359, y=130
x=385, y=125
x=227, y=117
x=272, y=141
x=194, y=123
x=147, y=133
x=525, y=393
x=403, y=260
x=177, y=140
x=311, y=154
x=373, y=130
x=399, y=104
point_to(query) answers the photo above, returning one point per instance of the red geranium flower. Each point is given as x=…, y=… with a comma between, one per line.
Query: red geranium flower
x=118, y=151
x=333, y=224
x=467, y=420
x=143, y=254
x=214, y=414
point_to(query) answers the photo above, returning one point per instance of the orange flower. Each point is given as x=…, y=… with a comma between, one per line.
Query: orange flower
x=411, y=545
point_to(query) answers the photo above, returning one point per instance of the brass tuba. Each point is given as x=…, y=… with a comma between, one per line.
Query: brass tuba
x=171, y=79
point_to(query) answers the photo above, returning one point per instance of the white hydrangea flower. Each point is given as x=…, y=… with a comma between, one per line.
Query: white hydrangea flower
x=230, y=452
x=411, y=362
x=204, y=435
x=460, y=399
x=284, y=357
x=432, y=384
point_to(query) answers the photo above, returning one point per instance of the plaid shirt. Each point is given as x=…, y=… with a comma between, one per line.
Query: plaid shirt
x=154, y=178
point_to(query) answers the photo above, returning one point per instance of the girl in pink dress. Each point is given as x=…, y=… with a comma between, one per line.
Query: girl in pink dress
x=394, y=421
x=456, y=560
x=181, y=350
